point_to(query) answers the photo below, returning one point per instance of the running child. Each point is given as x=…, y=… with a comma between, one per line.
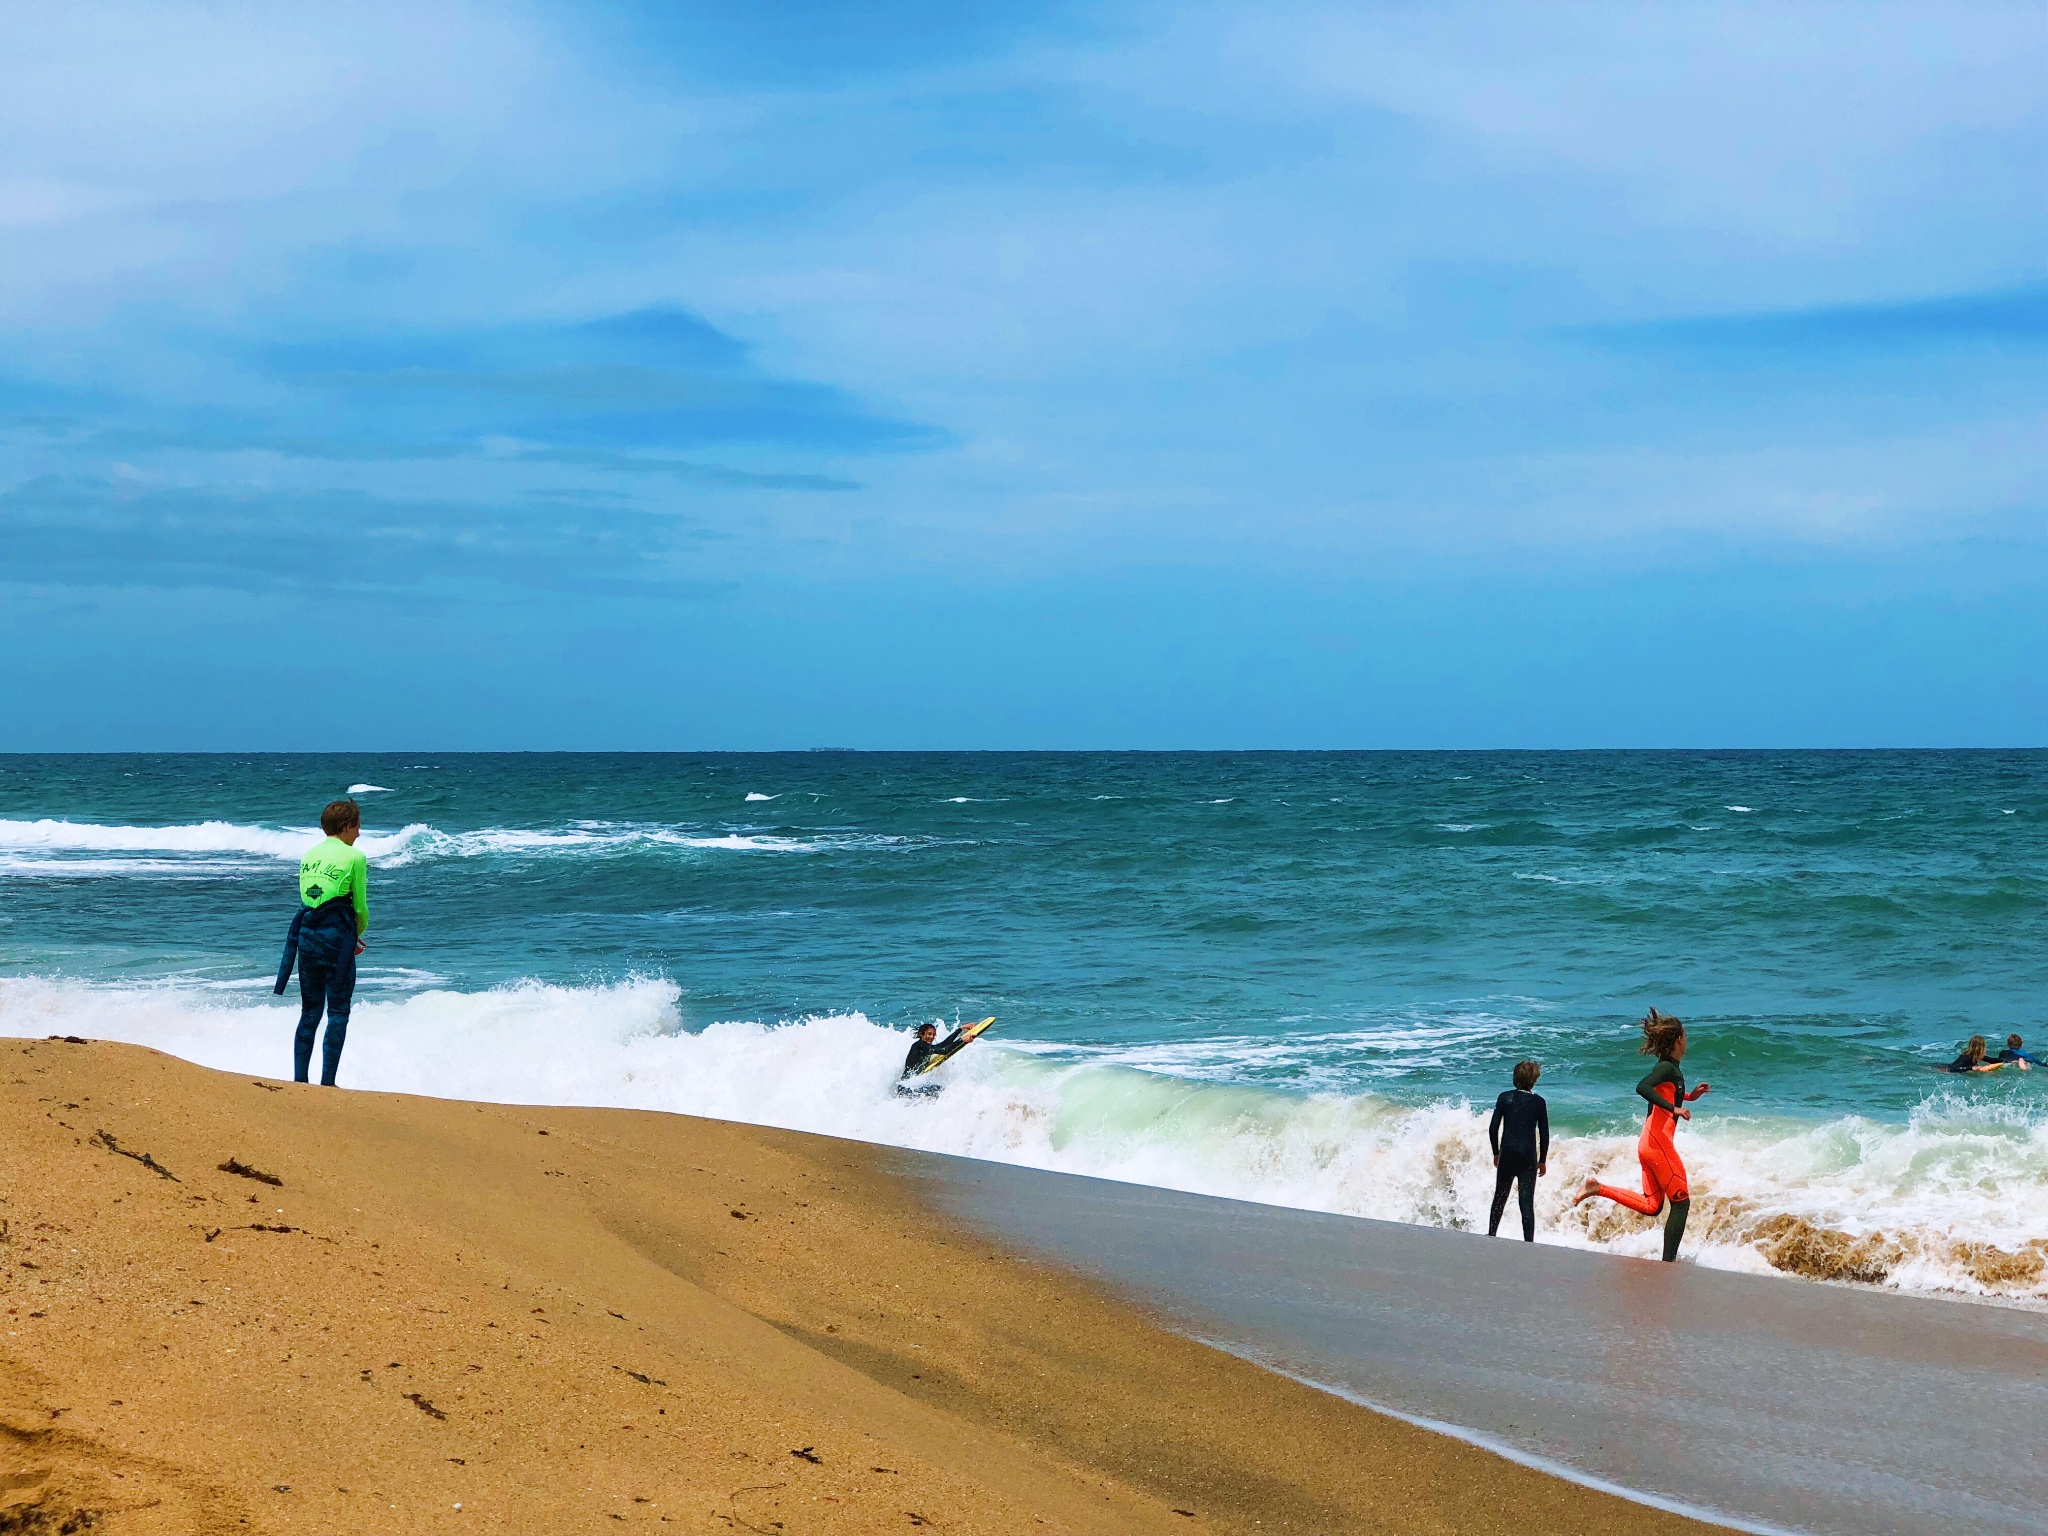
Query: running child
x=1663, y=1172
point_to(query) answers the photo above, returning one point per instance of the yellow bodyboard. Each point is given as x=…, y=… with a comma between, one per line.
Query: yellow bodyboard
x=954, y=1044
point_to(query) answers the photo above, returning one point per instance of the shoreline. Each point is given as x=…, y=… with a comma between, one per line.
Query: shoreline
x=1361, y=1154
x=1494, y=1445
x=1713, y=1390
x=569, y=1319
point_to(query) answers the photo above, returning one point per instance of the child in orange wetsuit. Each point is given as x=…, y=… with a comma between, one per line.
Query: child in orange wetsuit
x=1663, y=1171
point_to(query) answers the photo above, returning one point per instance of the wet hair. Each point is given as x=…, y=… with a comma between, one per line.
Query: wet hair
x=1661, y=1034
x=339, y=816
x=1526, y=1073
x=923, y=1027
x=2013, y=1042
x=1973, y=1053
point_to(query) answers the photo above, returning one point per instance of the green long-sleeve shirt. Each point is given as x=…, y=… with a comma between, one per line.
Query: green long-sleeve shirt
x=332, y=869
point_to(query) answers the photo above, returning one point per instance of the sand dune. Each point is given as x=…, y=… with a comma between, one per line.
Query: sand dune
x=446, y=1316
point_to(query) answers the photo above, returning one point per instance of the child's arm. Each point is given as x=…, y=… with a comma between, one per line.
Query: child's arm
x=1664, y=1074
x=1542, y=1133
x=359, y=882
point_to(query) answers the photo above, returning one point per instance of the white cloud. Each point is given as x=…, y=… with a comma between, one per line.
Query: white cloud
x=1203, y=244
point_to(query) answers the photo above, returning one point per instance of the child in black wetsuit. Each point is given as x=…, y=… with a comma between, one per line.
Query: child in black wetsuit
x=1973, y=1059
x=1520, y=1134
x=921, y=1050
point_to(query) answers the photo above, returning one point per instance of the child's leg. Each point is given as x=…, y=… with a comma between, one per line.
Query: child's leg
x=1649, y=1202
x=314, y=965
x=1526, y=1178
x=1671, y=1177
x=341, y=991
x=1504, y=1177
x=1674, y=1229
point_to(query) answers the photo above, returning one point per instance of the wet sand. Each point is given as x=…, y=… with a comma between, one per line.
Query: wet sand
x=447, y=1316
x=1776, y=1403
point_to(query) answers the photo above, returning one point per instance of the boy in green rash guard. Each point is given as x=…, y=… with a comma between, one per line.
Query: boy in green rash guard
x=334, y=868
x=327, y=935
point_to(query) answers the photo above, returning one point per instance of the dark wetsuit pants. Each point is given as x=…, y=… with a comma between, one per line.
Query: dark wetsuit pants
x=327, y=980
x=1519, y=1171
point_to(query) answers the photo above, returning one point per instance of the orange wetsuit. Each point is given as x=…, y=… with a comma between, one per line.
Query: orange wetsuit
x=1663, y=1172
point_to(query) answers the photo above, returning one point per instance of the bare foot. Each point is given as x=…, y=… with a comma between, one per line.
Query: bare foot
x=1586, y=1191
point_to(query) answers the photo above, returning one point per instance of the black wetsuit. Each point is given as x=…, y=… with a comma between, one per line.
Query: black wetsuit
x=1520, y=1134
x=322, y=944
x=921, y=1051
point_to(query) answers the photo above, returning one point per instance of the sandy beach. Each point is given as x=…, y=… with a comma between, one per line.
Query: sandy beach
x=444, y=1316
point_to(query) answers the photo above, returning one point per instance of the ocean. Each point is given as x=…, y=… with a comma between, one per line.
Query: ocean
x=1294, y=978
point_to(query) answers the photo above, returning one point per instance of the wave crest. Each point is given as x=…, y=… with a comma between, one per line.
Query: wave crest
x=30, y=847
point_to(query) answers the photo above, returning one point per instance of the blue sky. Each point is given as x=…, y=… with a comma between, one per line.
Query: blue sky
x=925, y=375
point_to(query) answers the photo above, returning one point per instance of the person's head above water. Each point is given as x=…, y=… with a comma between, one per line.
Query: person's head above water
x=2013, y=1042
x=927, y=1032
x=1663, y=1036
x=342, y=819
x=1974, y=1051
x=1526, y=1073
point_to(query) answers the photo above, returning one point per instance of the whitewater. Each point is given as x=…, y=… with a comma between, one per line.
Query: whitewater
x=1292, y=980
x=1926, y=1206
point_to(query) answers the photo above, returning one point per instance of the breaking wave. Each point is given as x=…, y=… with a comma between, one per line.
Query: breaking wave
x=66, y=848
x=1954, y=1200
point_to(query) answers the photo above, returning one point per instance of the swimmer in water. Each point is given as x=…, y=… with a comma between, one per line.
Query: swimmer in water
x=2014, y=1056
x=1972, y=1059
x=1663, y=1172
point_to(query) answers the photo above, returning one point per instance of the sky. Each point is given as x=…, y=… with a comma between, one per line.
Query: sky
x=922, y=375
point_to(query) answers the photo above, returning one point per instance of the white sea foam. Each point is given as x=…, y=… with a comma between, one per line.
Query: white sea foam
x=1745, y=810
x=199, y=837
x=54, y=848
x=1956, y=1200
x=368, y=789
x=755, y=795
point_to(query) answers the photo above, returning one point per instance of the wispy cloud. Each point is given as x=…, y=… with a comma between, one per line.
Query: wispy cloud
x=145, y=489
x=129, y=533
x=2008, y=317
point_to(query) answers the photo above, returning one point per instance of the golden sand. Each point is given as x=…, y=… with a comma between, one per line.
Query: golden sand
x=451, y=1317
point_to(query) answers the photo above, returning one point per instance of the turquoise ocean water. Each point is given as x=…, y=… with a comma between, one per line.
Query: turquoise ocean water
x=1291, y=977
